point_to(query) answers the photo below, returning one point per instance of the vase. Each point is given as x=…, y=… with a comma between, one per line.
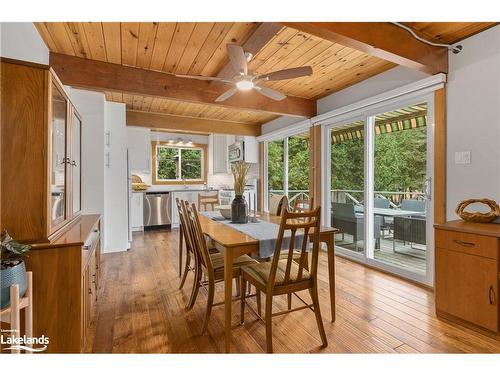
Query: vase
x=239, y=210
x=10, y=276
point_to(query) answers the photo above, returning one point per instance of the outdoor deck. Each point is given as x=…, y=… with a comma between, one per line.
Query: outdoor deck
x=410, y=257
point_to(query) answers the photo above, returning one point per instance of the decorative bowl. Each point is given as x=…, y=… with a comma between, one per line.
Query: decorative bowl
x=225, y=211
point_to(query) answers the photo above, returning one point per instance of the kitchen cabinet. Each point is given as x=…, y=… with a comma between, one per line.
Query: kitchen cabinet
x=41, y=153
x=219, y=153
x=467, y=273
x=137, y=211
x=139, y=148
x=190, y=196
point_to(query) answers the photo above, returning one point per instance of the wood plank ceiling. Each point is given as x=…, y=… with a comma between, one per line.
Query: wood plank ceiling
x=200, y=49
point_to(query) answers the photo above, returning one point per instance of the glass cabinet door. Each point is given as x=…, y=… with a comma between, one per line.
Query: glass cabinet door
x=59, y=157
x=76, y=168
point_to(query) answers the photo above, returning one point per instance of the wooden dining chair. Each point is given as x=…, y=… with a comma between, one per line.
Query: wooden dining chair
x=208, y=199
x=283, y=276
x=277, y=204
x=209, y=264
x=187, y=241
x=302, y=203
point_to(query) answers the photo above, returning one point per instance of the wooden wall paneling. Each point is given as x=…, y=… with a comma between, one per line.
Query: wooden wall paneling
x=213, y=40
x=95, y=39
x=112, y=41
x=145, y=43
x=129, y=41
x=78, y=39
x=440, y=156
x=163, y=38
x=198, y=37
x=179, y=42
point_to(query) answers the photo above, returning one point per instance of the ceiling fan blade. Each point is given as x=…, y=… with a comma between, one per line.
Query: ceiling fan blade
x=287, y=74
x=227, y=94
x=237, y=58
x=270, y=93
x=203, y=78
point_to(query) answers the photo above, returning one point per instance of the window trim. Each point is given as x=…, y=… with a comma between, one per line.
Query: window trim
x=204, y=165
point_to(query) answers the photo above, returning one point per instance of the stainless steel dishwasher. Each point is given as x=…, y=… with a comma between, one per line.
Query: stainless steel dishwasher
x=157, y=209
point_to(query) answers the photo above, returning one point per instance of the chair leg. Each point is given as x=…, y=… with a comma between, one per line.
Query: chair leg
x=314, y=295
x=186, y=269
x=210, y=302
x=259, y=303
x=196, y=287
x=237, y=281
x=289, y=300
x=243, y=284
x=269, y=323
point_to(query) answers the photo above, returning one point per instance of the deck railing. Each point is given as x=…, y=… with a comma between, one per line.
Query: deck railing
x=356, y=196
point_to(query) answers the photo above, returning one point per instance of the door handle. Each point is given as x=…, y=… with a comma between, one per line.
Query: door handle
x=465, y=244
x=491, y=295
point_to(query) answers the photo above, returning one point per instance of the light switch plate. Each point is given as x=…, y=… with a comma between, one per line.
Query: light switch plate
x=462, y=157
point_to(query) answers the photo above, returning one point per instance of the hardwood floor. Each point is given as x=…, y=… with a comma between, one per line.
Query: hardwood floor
x=142, y=310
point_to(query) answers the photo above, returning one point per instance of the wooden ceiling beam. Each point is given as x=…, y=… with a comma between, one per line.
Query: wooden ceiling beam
x=104, y=76
x=383, y=40
x=189, y=124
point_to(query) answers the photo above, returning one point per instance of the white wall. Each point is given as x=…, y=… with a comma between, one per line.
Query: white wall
x=473, y=119
x=21, y=41
x=388, y=80
x=115, y=180
x=91, y=106
x=279, y=123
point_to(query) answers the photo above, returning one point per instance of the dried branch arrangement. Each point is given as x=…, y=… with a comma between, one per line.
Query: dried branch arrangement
x=240, y=173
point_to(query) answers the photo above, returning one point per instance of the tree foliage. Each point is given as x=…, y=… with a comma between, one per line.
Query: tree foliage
x=400, y=162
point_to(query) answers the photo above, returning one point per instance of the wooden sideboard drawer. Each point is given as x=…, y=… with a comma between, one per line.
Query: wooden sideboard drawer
x=468, y=243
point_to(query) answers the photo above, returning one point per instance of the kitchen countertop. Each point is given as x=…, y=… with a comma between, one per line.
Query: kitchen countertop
x=156, y=189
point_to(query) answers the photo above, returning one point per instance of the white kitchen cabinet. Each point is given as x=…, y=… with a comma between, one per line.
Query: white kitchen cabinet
x=137, y=211
x=139, y=145
x=190, y=196
x=251, y=149
x=219, y=153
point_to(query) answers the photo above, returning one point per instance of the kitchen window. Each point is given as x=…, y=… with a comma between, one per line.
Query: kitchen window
x=173, y=164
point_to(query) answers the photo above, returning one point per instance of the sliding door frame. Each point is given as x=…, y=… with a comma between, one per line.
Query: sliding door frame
x=367, y=115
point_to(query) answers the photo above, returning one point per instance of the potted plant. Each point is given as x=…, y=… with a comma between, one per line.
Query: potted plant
x=12, y=268
x=239, y=207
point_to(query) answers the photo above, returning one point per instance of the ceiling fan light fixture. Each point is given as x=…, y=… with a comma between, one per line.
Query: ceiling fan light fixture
x=245, y=85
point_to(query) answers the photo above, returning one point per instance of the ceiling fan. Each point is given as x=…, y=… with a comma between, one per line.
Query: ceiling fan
x=245, y=80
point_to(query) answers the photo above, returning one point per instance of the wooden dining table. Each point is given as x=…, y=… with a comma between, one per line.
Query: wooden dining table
x=233, y=243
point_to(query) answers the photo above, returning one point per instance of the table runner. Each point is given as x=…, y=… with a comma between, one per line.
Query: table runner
x=264, y=231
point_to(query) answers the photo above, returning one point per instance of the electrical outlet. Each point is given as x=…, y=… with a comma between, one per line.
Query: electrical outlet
x=462, y=157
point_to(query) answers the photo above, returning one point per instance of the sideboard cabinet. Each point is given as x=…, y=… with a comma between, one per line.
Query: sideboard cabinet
x=40, y=153
x=467, y=273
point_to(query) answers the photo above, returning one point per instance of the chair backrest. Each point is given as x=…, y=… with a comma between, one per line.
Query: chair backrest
x=184, y=225
x=307, y=223
x=413, y=205
x=343, y=210
x=208, y=198
x=303, y=203
x=197, y=237
x=277, y=203
x=381, y=203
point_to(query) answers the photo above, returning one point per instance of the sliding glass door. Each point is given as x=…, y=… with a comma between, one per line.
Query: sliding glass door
x=379, y=193
x=287, y=168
